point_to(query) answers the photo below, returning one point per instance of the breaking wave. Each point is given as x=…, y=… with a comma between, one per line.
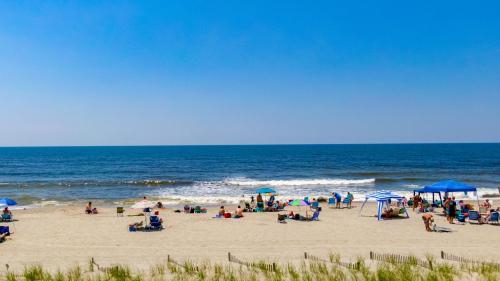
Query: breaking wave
x=298, y=182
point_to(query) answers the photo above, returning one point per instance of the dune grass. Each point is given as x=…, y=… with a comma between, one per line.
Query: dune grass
x=332, y=270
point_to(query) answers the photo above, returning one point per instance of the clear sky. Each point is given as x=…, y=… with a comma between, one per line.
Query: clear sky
x=242, y=72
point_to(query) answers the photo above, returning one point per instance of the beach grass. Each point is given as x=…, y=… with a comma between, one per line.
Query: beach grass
x=312, y=270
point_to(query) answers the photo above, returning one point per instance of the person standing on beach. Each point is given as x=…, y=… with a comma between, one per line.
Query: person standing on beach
x=260, y=201
x=416, y=200
x=452, y=210
x=338, y=199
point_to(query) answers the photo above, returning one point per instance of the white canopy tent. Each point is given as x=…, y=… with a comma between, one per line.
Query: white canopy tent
x=382, y=197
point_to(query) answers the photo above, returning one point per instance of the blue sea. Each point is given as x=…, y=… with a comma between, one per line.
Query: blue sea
x=214, y=174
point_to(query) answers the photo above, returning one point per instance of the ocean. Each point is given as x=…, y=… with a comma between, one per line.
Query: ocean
x=215, y=174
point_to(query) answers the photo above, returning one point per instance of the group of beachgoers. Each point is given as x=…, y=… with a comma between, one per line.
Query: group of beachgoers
x=6, y=217
x=454, y=210
x=259, y=204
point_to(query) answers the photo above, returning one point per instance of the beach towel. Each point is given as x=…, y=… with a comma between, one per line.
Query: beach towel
x=441, y=229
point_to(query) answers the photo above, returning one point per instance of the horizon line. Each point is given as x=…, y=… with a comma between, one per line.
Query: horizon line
x=250, y=144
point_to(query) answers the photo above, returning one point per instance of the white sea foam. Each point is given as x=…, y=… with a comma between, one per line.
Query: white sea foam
x=297, y=182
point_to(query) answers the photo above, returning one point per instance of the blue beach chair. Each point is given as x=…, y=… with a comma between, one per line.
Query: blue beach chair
x=4, y=230
x=315, y=205
x=494, y=218
x=315, y=216
x=473, y=216
x=331, y=202
x=155, y=223
x=346, y=201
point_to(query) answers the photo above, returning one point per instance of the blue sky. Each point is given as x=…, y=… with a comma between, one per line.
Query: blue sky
x=243, y=72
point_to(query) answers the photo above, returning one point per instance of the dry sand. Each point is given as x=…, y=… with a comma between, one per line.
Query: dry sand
x=59, y=237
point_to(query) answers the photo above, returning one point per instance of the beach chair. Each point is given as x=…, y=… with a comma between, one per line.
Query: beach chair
x=460, y=217
x=5, y=230
x=331, y=202
x=315, y=216
x=120, y=211
x=155, y=223
x=346, y=201
x=494, y=218
x=6, y=218
x=474, y=216
x=315, y=205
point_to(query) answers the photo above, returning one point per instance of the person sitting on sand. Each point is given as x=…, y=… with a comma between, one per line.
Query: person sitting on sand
x=157, y=214
x=270, y=203
x=388, y=212
x=222, y=211
x=428, y=219
x=89, y=209
x=239, y=212
x=6, y=214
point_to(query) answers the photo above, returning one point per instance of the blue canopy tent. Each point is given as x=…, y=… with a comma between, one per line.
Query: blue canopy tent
x=446, y=186
x=382, y=197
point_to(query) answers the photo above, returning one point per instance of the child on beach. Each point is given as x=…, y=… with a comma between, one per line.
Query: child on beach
x=90, y=210
x=428, y=219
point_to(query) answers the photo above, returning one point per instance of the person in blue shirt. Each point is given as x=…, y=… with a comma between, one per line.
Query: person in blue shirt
x=338, y=199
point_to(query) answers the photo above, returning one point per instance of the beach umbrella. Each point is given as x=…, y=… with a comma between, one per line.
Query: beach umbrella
x=265, y=190
x=143, y=204
x=298, y=202
x=7, y=202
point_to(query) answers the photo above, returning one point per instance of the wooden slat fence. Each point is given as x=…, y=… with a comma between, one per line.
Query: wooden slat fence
x=261, y=265
x=187, y=268
x=355, y=265
x=400, y=259
x=451, y=257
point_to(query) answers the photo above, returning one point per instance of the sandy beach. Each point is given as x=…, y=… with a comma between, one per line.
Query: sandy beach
x=59, y=237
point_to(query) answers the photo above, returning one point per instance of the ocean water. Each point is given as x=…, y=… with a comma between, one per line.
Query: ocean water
x=213, y=174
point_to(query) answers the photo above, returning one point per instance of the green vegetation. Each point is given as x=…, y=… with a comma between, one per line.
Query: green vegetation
x=313, y=270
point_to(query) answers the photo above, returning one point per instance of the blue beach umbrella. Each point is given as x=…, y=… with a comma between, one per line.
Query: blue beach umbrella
x=7, y=202
x=265, y=190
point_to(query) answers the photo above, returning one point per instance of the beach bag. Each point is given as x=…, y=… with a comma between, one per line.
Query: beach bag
x=227, y=215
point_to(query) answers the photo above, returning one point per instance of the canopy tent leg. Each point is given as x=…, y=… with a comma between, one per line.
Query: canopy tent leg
x=477, y=198
x=380, y=204
x=362, y=206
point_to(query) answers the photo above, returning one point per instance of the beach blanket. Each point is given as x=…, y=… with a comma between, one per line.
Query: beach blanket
x=441, y=229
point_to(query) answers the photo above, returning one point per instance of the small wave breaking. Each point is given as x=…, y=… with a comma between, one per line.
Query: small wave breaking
x=298, y=182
